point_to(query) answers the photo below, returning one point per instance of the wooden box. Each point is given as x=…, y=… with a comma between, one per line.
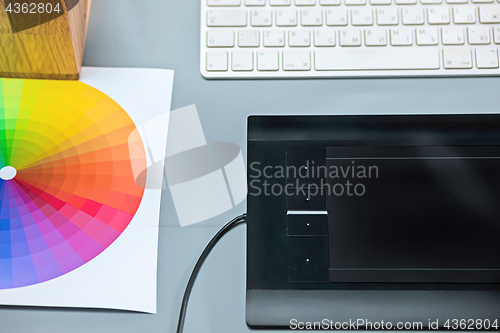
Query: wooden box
x=52, y=50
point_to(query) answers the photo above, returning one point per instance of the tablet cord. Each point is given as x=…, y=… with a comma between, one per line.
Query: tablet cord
x=233, y=223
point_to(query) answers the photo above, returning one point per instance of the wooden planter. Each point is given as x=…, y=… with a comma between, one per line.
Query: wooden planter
x=53, y=50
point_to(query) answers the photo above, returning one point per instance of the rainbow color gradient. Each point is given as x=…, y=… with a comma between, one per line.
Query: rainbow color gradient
x=75, y=191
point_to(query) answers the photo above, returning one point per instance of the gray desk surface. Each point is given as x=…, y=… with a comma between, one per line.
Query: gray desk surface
x=165, y=34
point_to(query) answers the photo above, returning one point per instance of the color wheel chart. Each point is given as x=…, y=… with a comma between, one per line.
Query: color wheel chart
x=67, y=188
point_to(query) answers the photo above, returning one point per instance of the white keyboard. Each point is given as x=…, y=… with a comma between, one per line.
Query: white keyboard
x=349, y=38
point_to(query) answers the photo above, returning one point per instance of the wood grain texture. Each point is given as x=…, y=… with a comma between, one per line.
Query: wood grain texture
x=53, y=50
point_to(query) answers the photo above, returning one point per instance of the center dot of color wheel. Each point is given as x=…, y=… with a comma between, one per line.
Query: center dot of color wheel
x=8, y=173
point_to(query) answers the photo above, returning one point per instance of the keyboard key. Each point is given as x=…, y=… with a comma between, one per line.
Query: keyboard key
x=217, y=61
x=453, y=36
x=464, y=15
x=305, y=2
x=261, y=18
x=299, y=38
x=249, y=38
x=486, y=58
x=355, y=2
x=242, y=61
x=376, y=59
x=380, y=2
x=412, y=16
x=431, y=2
x=406, y=2
x=482, y=1
x=350, y=37
x=312, y=17
x=324, y=38
x=456, y=1
x=427, y=36
x=496, y=35
x=330, y=2
x=286, y=18
x=387, y=16
x=255, y=2
x=336, y=17
x=457, y=58
x=361, y=16
x=268, y=60
x=489, y=14
x=280, y=2
x=401, y=37
x=479, y=35
x=227, y=18
x=296, y=61
x=438, y=15
x=375, y=37
x=224, y=2
x=274, y=38
x=220, y=38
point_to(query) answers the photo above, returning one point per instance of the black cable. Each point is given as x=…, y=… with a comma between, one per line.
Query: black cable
x=182, y=315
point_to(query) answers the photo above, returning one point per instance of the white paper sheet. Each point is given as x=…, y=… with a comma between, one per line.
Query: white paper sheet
x=124, y=275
